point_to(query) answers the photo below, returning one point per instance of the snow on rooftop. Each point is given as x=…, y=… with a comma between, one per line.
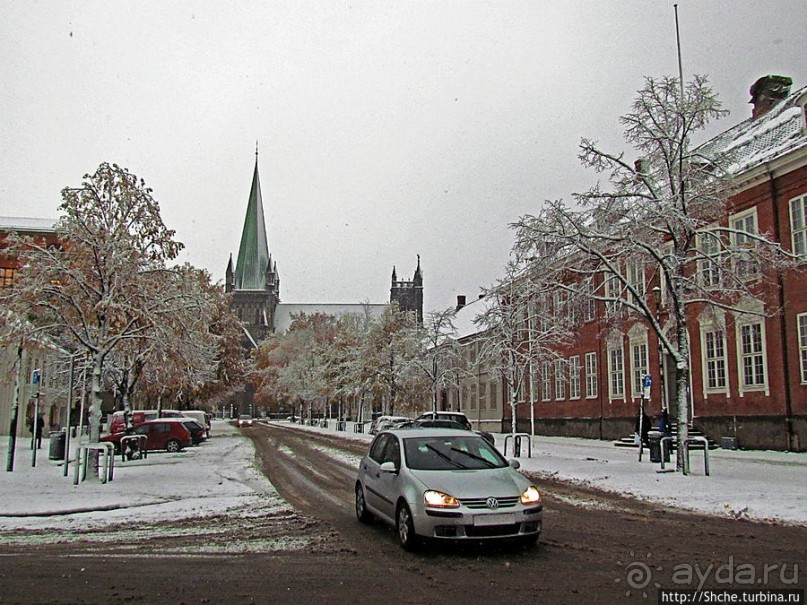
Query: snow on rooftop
x=756, y=141
x=27, y=224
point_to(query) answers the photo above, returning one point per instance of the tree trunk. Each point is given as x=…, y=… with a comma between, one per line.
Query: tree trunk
x=681, y=392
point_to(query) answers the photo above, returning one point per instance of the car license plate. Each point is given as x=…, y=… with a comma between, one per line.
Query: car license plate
x=494, y=519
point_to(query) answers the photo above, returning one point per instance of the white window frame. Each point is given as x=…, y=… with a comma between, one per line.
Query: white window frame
x=589, y=304
x=712, y=364
x=709, y=265
x=635, y=269
x=801, y=326
x=798, y=225
x=560, y=380
x=546, y=381
x=612, y=289
x=740, y=222
x=639, y=367
x=742, y=355
x=574, y=377
x=616, y=375
x=591, y=375
x=666, y=250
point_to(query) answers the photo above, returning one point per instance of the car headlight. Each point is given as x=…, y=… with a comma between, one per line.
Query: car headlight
x=531, y=495
x=440, y=500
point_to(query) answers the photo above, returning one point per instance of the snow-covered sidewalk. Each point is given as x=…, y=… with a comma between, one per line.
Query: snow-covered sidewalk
x=217, y=477
x=220, y=476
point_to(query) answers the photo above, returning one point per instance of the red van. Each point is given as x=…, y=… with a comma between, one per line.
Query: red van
x=117, y=425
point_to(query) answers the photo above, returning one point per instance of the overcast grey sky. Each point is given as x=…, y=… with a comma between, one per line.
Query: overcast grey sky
x=386, y=129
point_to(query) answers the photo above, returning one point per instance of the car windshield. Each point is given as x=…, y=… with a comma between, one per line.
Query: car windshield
x=451, y=453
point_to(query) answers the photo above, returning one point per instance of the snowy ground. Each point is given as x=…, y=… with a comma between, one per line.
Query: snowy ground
x=214, y=478
x=220, y=476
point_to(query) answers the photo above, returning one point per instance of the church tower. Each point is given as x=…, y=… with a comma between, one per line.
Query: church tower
x=408, y=294
x=254, y=282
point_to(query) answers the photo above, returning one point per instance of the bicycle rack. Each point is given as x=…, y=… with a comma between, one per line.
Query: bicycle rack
x=702, y=440
x=82, y=456
x=517, y=439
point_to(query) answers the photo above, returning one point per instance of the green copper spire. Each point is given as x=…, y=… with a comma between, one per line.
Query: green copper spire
x=253, y=255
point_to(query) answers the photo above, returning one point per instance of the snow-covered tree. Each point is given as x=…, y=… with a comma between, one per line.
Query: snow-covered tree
x=389, y=349
x=440, y=363
x=523, y=326
x=107, y=281
x=659, y=225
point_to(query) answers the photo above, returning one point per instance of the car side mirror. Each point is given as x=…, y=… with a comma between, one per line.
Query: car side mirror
x=514, y=463
x=388, y=467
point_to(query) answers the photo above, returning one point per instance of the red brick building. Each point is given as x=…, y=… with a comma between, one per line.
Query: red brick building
x=748, y=370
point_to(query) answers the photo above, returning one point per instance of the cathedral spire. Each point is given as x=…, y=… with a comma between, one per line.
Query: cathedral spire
x=253, y=254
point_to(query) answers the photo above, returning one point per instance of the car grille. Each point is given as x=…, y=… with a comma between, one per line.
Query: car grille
x=478, y=503
x=492, y=531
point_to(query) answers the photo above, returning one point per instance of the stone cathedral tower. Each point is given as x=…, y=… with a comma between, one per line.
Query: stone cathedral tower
x=408, y=293
x=254, y=282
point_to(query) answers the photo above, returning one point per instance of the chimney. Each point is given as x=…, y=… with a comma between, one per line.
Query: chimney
x=767, y=92
x=460, y=301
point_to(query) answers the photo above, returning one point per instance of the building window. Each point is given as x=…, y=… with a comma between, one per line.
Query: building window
x=559, y=305
x=714, y=354
x=798, y=225
x=802, y=319
x=560, y=380
x=588, y=301
x=546, y=381
x=710, y=249
x=744, y=226
x=591, y=375
x=483, y=396
x=613, y=292
x=616, y=373
x=638, y=367
x=636, y=277
x=6, y=277
x=574, y=377
x=752, y=356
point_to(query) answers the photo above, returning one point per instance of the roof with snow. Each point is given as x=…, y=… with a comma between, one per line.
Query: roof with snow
x=27, y=224
x=465, y=318
x=756, y=141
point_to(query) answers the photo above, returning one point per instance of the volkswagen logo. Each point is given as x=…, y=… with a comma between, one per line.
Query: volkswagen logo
x=492, y=503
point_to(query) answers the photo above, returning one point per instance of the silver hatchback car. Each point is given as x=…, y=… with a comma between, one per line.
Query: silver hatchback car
x=445, y=484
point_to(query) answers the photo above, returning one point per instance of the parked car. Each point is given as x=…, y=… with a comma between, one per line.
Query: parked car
x=195, y=428
x=457, y=417
x=162, y=434
x=445, y=484
x=118, y=424
x=383, y=423
x=201, y=417
x=245, y=420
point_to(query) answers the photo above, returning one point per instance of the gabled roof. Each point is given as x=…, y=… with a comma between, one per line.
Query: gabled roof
x=253, y=254
x=754, y=142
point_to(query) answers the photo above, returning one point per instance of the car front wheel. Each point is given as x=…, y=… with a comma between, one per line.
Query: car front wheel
x=362, y=514
x=406, y=528
x=172, y=446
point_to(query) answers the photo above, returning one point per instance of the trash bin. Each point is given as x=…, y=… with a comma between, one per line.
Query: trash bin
x=654, y=437
x=57, y=441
